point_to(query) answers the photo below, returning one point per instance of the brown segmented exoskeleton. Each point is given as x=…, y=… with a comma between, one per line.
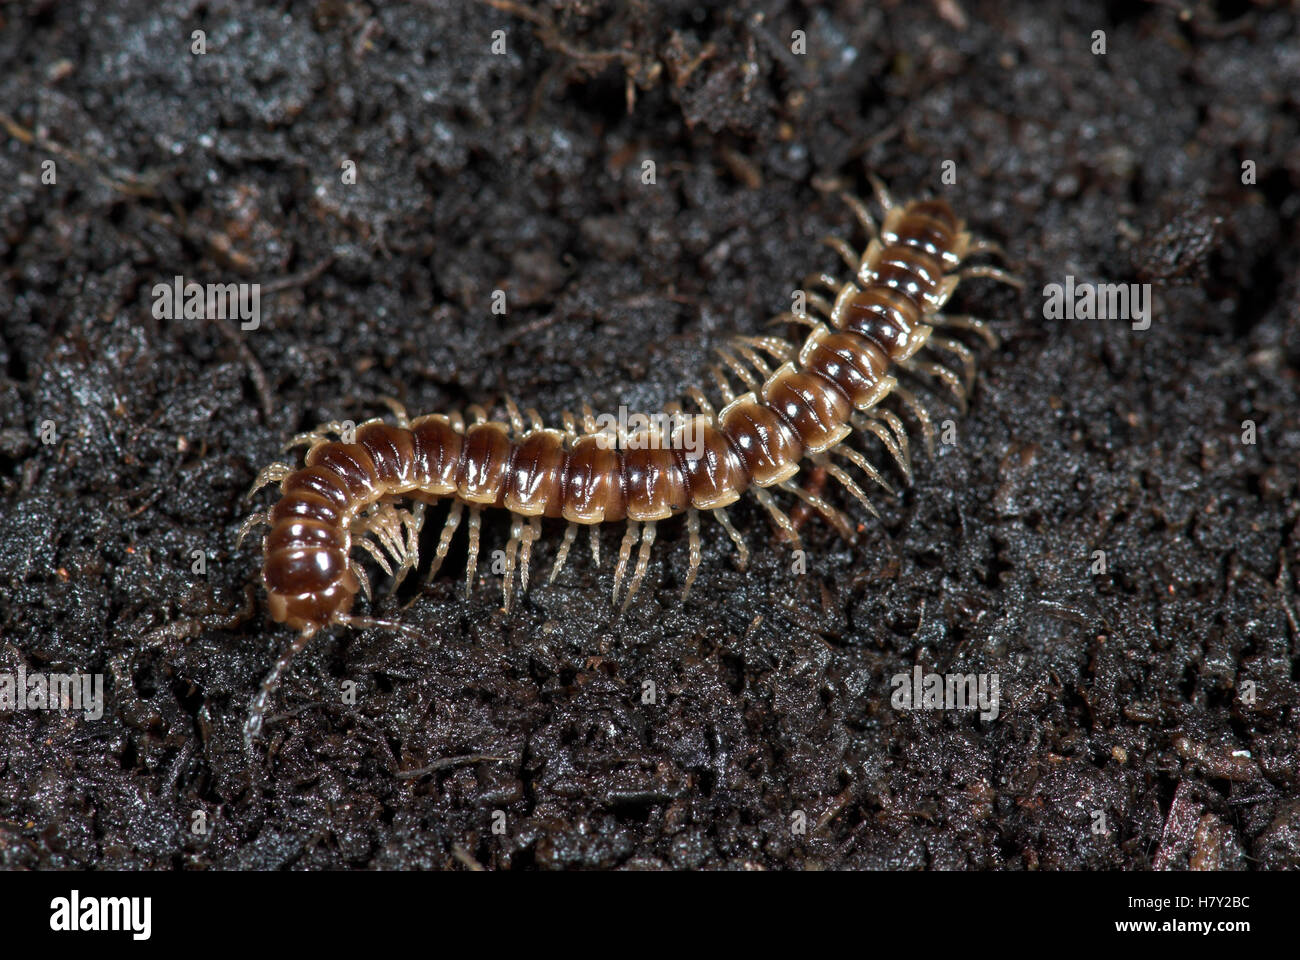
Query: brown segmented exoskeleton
x=797, y=402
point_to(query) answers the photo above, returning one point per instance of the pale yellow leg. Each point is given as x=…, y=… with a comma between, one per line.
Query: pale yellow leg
x=471, y=565
x=570, y=532
x=624, y=552
x=693, y=532
x=642, y=563
x=722, y=518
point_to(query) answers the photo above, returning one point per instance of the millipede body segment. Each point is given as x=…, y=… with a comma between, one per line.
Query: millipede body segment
x=801, y=402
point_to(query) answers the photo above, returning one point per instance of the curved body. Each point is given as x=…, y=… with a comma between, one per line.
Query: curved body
x=802, y=408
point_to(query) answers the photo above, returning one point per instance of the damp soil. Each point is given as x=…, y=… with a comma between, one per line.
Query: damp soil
x=1100, y=533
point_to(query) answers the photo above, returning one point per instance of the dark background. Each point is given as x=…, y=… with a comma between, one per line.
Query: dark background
x=521, y=172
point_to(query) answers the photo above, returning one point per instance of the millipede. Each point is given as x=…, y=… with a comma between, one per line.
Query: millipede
x=877, y=332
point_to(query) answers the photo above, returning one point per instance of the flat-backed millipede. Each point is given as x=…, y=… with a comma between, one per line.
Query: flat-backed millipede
x=881, y=322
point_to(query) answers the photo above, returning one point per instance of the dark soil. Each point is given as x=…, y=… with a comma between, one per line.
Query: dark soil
x=1149, y=713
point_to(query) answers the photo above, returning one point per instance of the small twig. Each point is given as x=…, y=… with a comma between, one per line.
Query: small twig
x=447, y=762
x=193, y=626
x=528, y=328
x=299, y=279
x=1283, y=585
x=121, y=181
x=255, y=370
x=466, y=859
x=152, y=499
x=552, y=39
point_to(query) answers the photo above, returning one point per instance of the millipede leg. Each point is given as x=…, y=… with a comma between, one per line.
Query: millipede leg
x=973, y=324
x=512, y=551
x=790, y=317
x=363, y=578
x=724, y=387
x=391, y=526
x=412, y=524
x=361, y=539
x=900, y=431
x=273, y=473
x=863, y=215
x=399, y=411
x=594, y=540
x=625, y=551
x=249, y=523
x=889, y=442
x=387, y=529
x=922, y=415
x=721, y=516
x=751, y=355
x=992, y=273
x=693, y=533
x=471, y=564
x=822, y=280
x=986, y=246
x=642, y=563
x=851, y=485
x=532, y=533
x=570, y=532
x=962, y=352
x=312, y=437
x=444, y=538
x=832, y=516
x=410, y=548
x=338, y=428
x=779, y=517
x=740, y=370
x=862, y=463
x=883, y=196
x=823, y=305
x=701, y=401
x=516, y=420
x=846, y=252
x=943, y=375
x=782, y=350
x=262, y=699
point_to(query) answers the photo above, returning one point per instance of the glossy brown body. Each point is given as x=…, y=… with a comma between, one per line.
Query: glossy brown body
x=802, y=409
